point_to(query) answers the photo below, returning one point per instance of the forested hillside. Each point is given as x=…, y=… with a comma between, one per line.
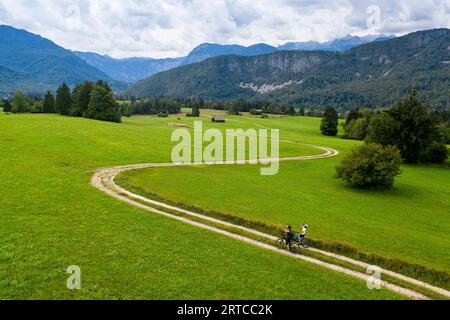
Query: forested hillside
x=33, y=64
x=371, y=75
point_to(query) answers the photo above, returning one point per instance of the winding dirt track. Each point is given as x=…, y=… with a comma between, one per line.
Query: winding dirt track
x=103, y=180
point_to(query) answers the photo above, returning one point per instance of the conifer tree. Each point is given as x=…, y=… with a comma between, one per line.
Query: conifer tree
x=63, y=100
x=330, y=121
x=49, y=103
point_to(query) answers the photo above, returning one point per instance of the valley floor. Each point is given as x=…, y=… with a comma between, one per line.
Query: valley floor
x=52, y=218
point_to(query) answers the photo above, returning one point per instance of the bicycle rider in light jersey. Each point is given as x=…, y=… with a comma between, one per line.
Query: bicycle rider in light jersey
x=303, y=233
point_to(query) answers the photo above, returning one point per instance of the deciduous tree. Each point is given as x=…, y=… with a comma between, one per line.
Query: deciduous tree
x=410, y=127
x=20, y=103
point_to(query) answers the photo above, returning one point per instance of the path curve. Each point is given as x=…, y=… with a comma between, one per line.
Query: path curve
x=103, y=180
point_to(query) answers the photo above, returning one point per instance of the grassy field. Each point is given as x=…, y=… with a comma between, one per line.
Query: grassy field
x=410, y=222
x=51, y=218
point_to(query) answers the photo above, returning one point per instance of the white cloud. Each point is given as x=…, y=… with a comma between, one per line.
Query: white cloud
x=162, y=28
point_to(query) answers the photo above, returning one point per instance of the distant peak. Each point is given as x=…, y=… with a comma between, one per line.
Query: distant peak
x=265, y=45
x=11, y=28
x=348, y=37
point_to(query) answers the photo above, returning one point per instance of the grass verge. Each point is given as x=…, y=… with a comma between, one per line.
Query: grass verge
x=434, y=277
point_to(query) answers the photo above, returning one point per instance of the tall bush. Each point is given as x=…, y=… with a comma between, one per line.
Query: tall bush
x=370, y=166
x=436, y=153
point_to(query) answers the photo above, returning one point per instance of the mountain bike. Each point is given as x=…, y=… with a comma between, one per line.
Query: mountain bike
x=296, y=243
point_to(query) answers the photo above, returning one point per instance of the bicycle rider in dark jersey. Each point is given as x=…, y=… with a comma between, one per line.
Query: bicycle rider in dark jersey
x=288, y=235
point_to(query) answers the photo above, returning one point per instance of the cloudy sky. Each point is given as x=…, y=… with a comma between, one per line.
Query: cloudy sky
x=171, y=28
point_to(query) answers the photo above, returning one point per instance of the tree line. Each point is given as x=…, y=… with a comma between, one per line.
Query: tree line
x=76, y=103
x=233, y=107
x=152, y=106
x=262, y=107
x=90, y=100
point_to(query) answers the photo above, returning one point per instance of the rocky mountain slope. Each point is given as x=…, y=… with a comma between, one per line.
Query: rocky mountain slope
x=372, y=75
x=133, y=69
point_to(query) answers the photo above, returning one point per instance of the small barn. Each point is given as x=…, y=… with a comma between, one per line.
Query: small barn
x=220, y=119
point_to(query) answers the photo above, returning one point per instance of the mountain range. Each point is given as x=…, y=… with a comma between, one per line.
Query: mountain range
x=370, y=75
x=372, y=71
x=34, y=64
x=131, y=70
x=128, y=70
x=337, y=45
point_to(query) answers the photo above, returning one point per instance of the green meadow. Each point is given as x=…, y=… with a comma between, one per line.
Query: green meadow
x=51, y=218
x=409, y=223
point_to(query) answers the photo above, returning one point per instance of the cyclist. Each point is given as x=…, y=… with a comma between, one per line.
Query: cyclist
x=288, y=235
x=303, y=234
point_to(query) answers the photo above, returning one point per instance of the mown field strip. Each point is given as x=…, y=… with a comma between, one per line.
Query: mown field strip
x=104, y=180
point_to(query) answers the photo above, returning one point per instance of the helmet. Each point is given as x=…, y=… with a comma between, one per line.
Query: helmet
x=305, y=225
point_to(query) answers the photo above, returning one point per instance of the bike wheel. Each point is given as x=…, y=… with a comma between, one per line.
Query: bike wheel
x=305, y=244
x=280, y=243
x=295, y=247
